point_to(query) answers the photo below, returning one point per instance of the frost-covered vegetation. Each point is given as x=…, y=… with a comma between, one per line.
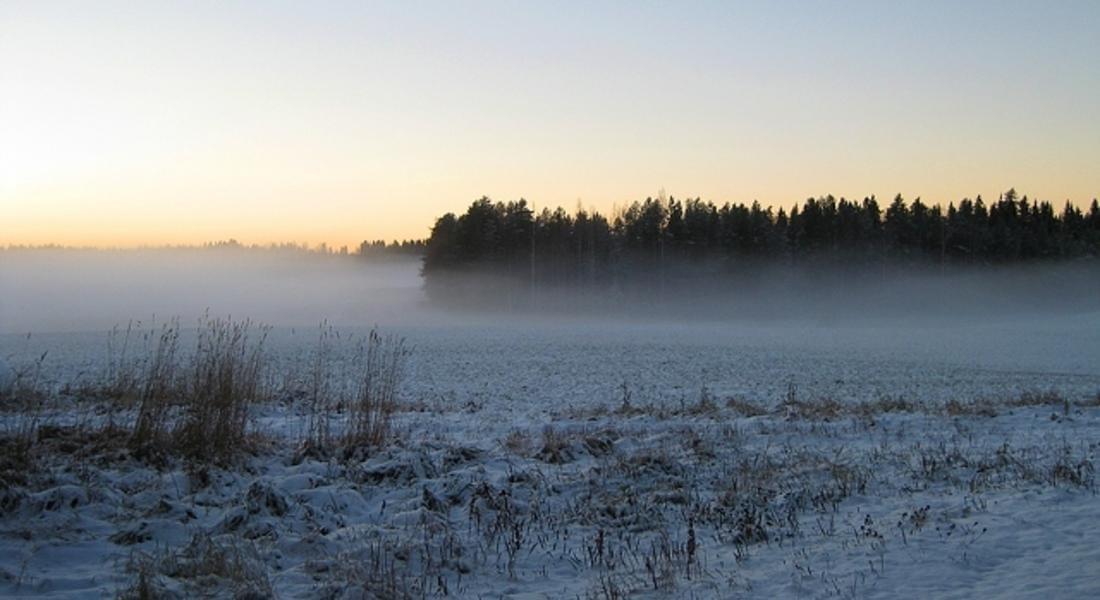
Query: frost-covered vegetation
x=560, y=460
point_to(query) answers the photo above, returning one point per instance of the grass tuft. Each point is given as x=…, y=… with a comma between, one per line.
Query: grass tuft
x=382, y=365
x=225, y=381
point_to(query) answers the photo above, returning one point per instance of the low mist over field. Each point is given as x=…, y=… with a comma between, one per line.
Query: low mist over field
x=82, y=290
x=53, y=290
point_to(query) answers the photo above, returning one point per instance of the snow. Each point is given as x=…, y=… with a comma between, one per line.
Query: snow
x=522, y=444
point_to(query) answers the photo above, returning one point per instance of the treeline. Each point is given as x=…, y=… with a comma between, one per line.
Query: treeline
x=669, y=238
x=405, y=248
x=370, y=249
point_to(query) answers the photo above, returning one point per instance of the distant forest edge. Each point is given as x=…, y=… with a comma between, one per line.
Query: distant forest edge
x=665, y=240
x=370, y=249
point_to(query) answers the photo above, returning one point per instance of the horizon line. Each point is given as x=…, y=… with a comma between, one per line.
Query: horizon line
x=323, y=247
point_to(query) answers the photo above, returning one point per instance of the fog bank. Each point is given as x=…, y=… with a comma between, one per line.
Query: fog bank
x=73, y=290
x=78, y=290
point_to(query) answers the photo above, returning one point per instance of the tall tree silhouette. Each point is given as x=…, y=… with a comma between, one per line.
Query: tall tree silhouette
x=659, y=240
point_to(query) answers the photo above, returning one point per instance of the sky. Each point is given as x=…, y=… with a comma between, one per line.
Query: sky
x=150, y=123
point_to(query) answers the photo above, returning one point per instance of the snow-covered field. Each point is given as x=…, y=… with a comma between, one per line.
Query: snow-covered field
x=583, y=458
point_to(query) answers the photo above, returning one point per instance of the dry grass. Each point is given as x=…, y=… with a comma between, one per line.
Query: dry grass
x=744, y=407
x=159, y=391
x=319, y=394
x=822, y=409
x=886, y=404
x=1038, y=398
x=198, y=407
x=382, y=364
x=704, y=405
x=970, y=408
x=18, y=438
x=123, y=374
x=1091, y=402
x=376, y=571
x=205, y=566
x=16, y=462
x=23, y=393
x=556, y=446
x=225, y=377
x=517, y=442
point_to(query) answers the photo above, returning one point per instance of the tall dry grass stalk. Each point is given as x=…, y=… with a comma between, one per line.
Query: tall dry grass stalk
x=159, y=389
x=123, y=373
x=198, y=405
x=319, y=391
x=224, y=381
x=382, y=364
x=19, y=433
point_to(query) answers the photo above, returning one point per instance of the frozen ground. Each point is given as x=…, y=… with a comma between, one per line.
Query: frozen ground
x=584, y=459
x=576, y=460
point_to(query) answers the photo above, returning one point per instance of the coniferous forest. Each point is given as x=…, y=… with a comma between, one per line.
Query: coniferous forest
x=670, y=240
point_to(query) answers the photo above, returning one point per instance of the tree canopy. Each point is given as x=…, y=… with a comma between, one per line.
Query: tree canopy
x=667, y=238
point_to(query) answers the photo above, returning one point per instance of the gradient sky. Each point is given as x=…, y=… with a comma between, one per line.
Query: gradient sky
x=165, y=123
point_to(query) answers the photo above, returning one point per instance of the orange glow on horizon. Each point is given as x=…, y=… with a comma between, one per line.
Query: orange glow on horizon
x=317, y=124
